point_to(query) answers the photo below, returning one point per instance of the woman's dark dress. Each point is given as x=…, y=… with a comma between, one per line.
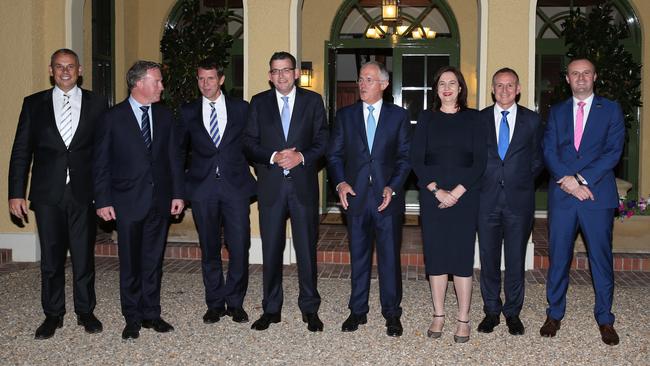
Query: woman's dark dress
x=449, y=149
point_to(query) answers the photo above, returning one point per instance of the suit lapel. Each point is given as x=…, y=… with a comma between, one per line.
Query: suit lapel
x=197, y=109
x=226, y=134
x=83, y=124
x=50, y=118
x=296, y=115
x=132, y=125
x=272, y=106
x=592, y=119
x=520, y=125
x=492, y=132
x=382, y=124
x=360, y=124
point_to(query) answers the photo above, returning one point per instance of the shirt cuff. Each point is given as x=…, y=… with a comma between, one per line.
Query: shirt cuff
x=272, y=156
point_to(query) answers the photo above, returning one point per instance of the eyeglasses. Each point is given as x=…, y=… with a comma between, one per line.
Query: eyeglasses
x=286, y=71
x=368, y=81
x=68, y=68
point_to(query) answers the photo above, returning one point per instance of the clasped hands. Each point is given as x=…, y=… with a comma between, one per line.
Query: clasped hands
x=344, y=189
x=570, y=185
x=288, y=158
x=447, y=198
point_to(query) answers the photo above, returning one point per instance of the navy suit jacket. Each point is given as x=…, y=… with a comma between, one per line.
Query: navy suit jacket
x=349, y=158
x=236, y=180
x=38, y=143
x=307, y=133
x=522, y=164
x=127, y=175
x=600, y=151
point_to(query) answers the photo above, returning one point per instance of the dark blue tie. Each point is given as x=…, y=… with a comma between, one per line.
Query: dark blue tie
x=504, y=135
x=146, y=129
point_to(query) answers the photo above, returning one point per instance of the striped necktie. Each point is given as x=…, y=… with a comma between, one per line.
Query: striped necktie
x=146, y=129
x=214, y=125
x=65, y=129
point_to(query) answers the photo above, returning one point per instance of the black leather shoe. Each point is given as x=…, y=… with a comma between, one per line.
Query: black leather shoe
x=90, y=322
x=49, y=326
x=265, y=320
x=314, y=324
x=394, y=327
x=131, y=331
x=550, y=327
x=353, y=321
x=488, y=323
x=159, y=325
x=212, y=316
x=238, y=315
x=515, y=326
x=608, y=334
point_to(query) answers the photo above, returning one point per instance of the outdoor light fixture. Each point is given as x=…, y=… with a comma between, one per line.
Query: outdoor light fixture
x=391, y=25
x=389, y=10
x=305, y=73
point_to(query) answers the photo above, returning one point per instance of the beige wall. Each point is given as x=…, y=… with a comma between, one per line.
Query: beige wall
x=466, y=13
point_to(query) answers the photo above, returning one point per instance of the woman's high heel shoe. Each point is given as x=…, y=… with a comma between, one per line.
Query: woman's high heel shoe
x=432, y=334
x=462, y=339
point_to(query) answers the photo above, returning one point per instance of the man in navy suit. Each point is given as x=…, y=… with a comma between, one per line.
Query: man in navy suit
x=138, y=175
x=507, y=200
x=368, y=162
x=582, y=145
x=286, y=137
x=219, y=186
x=55, y=136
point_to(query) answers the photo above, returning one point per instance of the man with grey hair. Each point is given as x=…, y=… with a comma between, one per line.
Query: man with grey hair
x=368, y=162
x=138, y=175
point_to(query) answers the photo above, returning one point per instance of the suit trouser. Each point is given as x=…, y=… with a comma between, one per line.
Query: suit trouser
x=66, y=225
x=304, y=230
x=596, y=226
x=386, y=230
x=502, y=226
x=234, y=214
x=141, y=245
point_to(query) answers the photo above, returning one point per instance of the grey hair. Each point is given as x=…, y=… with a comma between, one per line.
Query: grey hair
x=139, y=71
x=383, y=71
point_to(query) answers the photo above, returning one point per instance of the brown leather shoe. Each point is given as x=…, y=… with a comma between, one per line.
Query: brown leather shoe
x=550, y=327
x=608, y=334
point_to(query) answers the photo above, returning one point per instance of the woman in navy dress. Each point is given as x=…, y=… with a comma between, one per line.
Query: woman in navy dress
x=448, y=155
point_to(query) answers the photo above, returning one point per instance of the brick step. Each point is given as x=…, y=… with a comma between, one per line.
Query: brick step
x=5, y=256
x=410, y=256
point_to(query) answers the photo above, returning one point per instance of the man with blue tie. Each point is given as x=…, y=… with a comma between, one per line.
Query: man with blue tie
x=507, y=200
x=138, y=175
x=582, y=145
x=286, y=137
x=219, y=186
x=368, y=162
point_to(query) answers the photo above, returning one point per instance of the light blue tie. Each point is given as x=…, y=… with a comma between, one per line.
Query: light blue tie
x=286, y=116
x=372, y=127
x=214, y=126
x=504, y=135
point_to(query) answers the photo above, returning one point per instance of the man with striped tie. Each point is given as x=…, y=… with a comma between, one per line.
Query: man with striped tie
x=55, y=136
x=138, y=174
x=219, y=186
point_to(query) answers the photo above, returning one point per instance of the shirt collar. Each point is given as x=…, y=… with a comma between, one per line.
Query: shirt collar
x=587, y=100
x=291, y=95
x=72, y=92
x=219, y=101
x=377, y=105
x=498, y=108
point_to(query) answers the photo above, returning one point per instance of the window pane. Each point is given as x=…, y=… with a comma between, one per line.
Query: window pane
x=413, y=101
x=413, y=71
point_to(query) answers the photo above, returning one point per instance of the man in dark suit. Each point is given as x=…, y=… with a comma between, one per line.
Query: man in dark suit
x=368, y=162
x=507, y=200
x=583, y=143
x=219, y=186
x=286, y=137
x=138, y=175
x=55, y=136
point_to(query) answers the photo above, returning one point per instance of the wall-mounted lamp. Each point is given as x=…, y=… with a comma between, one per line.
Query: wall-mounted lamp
x=305, y=73
x=389, y=10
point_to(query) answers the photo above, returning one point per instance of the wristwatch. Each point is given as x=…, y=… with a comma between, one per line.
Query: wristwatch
x=434, y=190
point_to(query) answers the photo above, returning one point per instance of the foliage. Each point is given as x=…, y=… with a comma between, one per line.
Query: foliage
x=628, y=208
x=595, y=36
x=195, y=36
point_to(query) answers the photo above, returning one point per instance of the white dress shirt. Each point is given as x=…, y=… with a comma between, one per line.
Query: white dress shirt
x=291, y=101
x=511, y=117
x=75, y=104
x=135, y=106
x=222, y=114
x=375, y=112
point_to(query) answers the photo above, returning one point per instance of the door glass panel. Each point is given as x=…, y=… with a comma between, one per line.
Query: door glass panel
x=433, y=64
x=413, y=101
x=412, y=71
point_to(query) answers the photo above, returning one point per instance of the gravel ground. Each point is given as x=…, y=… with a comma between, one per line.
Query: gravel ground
x=289, y=342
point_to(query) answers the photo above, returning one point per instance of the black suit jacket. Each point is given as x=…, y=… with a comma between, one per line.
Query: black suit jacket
x=39, y=143
x=307, y=133
x=522, y=164
x=349, y=158
x=127, y=175
x=236, y=180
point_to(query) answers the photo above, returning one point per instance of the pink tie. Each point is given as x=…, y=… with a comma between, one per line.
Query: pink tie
x=579, y=128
